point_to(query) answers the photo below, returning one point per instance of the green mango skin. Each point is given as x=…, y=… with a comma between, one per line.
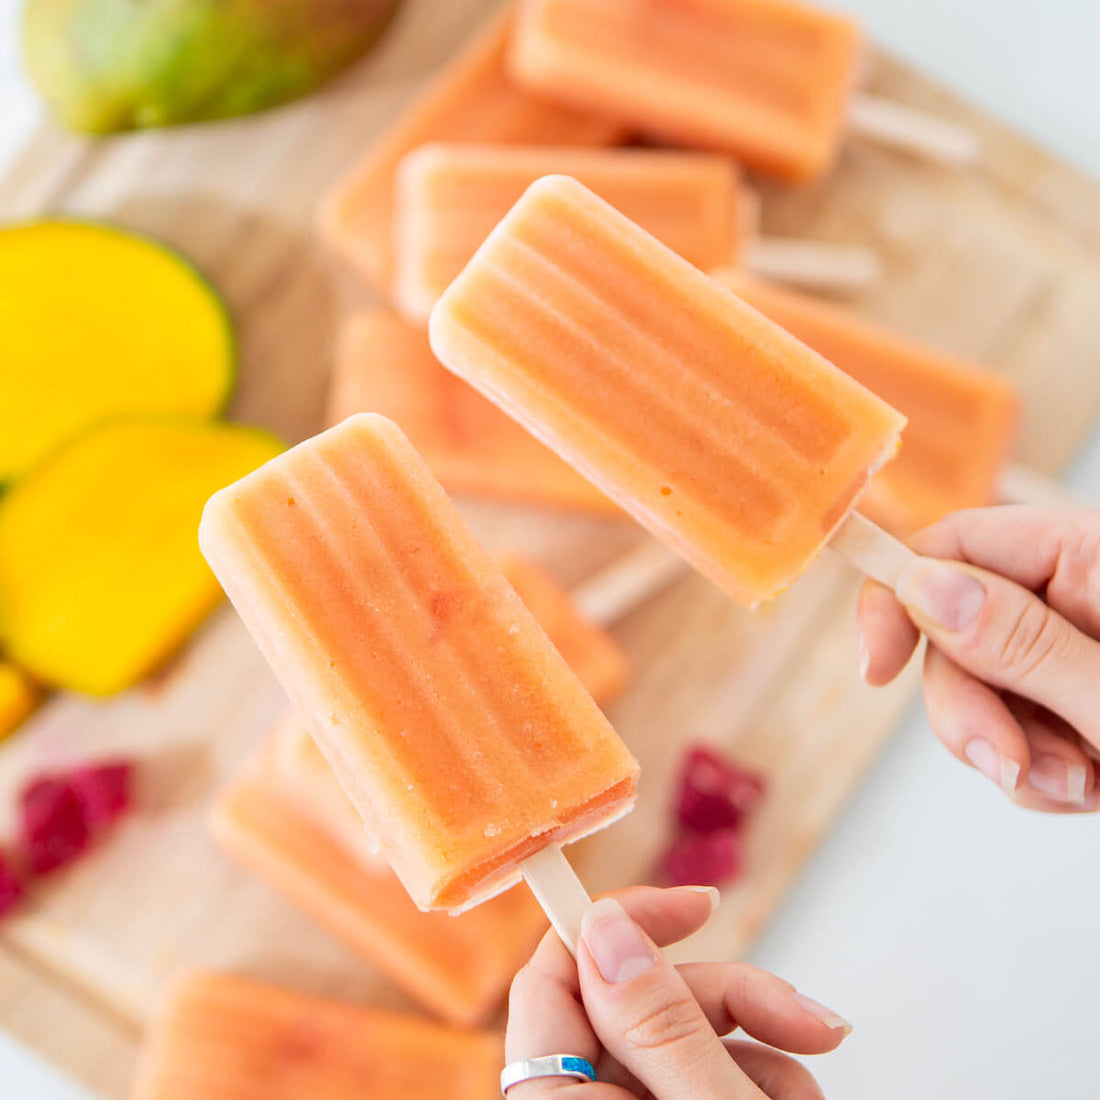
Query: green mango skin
x=109, y=65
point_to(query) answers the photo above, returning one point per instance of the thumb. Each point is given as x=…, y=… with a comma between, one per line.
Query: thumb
x=645, y=1015
x=1007, y=636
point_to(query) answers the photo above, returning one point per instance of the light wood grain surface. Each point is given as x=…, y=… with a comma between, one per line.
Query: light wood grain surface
x=999, y=265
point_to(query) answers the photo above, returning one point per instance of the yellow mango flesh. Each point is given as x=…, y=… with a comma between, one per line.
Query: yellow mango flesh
x=100, y=572
x=19, y=695
x=96, y=322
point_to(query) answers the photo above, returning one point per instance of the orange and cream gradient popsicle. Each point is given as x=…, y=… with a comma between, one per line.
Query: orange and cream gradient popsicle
x=384, y=364
x=456, y=967
x=715, y=428
x=449, y=197
x=961, y=417
x=462, y=736
x=770, y=81
x=767, y=80
x=225, y=1038
x=471, y=99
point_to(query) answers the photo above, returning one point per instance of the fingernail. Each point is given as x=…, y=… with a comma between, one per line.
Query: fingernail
x=864, y=657
x=1054, y=776
x=1003, y=770
x=615, y=942
x=819, y=1012
x=947, y=596
x=713, y=896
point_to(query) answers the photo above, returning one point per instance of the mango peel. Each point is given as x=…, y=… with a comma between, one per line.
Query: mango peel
x=109, y=65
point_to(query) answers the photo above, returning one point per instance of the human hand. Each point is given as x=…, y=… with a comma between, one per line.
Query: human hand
x=651, y=1029
x=1012, y=671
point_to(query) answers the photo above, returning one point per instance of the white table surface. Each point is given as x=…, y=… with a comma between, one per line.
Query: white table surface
x=957, y=933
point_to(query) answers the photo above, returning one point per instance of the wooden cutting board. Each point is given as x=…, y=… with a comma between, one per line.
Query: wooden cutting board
x=1000, y=264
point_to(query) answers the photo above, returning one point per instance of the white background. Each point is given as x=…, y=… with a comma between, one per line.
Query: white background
x=958, y=934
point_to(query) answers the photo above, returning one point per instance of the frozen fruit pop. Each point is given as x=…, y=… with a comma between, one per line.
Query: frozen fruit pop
x=770, y=81
x=224, y=1038
x=449, y=197
x=471, y=99
x=961, y=418
x=719, y=431
x=456, y=967
x=467, y=744
x=384, y=364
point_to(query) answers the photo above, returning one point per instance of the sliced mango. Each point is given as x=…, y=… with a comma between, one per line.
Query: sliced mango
x=96, y=321
x=100, y=572
x=19, y=695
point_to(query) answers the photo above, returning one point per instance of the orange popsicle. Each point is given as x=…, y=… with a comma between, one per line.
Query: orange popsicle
x=471, y=99
x=224, y=1038
x=449, y=197
x=461, y=735
x=962, y=418
x=385, y=365
x=457, y=967
x=767, y=80
x=723, y=434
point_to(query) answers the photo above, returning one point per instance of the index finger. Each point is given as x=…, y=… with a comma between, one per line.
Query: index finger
x=1051, y=549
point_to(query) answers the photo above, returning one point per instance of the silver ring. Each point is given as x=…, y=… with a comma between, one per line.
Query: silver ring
x=552, y=1065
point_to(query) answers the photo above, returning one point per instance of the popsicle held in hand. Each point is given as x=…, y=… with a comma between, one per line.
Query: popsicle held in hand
x=467, y=744
x=771, y=81
x=719, y=431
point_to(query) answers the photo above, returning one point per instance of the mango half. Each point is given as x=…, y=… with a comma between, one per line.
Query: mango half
x=107, y=65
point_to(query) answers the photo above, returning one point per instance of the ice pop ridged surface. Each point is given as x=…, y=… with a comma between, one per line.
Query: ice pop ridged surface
x=384, y=364
x=224, y=1038
x=456, y=967
x=304, y=777
x=449, y=198
x=718, y=430
x=766, y=80
x=961, y=418
x=458, y=731
x=471, y=99
x=600, y=663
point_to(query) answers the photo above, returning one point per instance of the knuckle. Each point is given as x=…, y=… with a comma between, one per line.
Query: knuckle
x=1033, y=640
x=672, y=1022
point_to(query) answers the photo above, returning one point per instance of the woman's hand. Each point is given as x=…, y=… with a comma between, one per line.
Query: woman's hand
x=1012, y=672
x=652, y=1029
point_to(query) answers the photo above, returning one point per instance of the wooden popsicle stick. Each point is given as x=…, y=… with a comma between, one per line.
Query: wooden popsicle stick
x=814, y=265
x=913, y=131
x=558, y=890
x=872, y=550
x=810, y=264
x=1020, y=484
x=627, y=582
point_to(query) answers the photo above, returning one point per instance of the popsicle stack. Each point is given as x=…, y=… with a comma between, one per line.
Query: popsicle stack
x=446, y=738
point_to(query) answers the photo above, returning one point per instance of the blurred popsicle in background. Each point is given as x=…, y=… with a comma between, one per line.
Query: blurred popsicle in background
x=222, y=1036
x=770, y=81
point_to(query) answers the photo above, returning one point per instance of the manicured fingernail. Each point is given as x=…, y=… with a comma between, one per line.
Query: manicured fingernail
x=713, y=896
x=615, y=942
x=1003, y=770
x=864, y=657
x=819, y=1012
x=947, y=596
x=1054, y=776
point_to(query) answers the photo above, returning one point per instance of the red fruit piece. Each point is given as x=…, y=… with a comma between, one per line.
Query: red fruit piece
x=53, y=830
x=11, y=887
x=703, y=859
x=104, y=791
x=715, y=793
